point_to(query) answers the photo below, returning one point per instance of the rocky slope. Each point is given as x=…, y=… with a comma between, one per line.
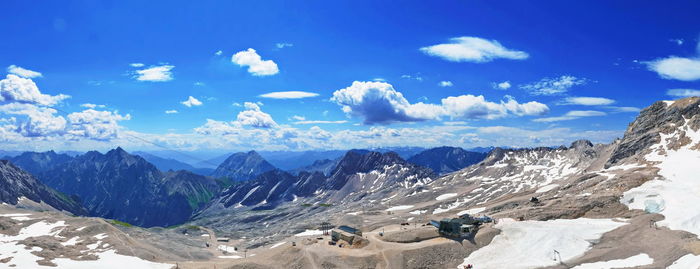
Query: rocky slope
x=445, y=160
x=16, y=184
x=242, y=166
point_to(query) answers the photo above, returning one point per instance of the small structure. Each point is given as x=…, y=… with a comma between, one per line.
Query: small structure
x=346, y=233
x=223, y=239
x=461, y=227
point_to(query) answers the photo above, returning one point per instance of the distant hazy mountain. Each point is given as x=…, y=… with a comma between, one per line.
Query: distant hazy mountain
x=9, y=153
x=39, y=162
x=482, y=149
x=126, y=187
x=16, y=183
x=242, y=166
x=403, y=152
x=324, y=166
x=166, y=164
x=289, y=160
x=443, y=160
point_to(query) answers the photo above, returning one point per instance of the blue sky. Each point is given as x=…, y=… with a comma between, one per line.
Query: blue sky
x=373, y=73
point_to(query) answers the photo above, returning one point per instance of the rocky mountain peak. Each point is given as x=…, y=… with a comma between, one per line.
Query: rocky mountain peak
x=242, y=166
x=662, y=117
x=581, y=144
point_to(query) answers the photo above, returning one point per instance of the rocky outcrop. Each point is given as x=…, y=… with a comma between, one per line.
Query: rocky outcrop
x=16, y=184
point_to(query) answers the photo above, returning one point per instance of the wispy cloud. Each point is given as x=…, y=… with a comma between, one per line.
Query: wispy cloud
x=22, y=72
x=473, y=49
x=446, y=83
x=501, y=85
x=683, y=92
x=587, y=101
x=289, y=95
x=553, y=86
x=172, y=111
x=158, y=73
x=572, y=115
x=284, y=45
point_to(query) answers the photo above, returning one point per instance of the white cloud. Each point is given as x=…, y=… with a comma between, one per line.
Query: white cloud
x=572, y=115
x=254, y=62
x=22, y=72
x=254, y=117
x=136, y=65
x=379, y=102
x=40, y=121
x=298, y=118
x=191, y=101
x=93, y=124
x=88, y=105
x=552, y=86
x=679, y=68
x=289, y=95
x=476, y=107
x=283, y=45
x=320, y=122
x=446, y=83
x=155, y=73
x=218, y=52
x=172, y=111
x=680, y=93
x=473, y=49
x=587, y=101
x=16, y=89
x=501, y=85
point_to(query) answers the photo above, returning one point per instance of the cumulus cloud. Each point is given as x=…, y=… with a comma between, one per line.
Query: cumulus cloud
x=172, y=111
x=253, y=116
x=289, y=95
x=473, y=49
x=501, y=85
x=680, y=93
x=22, y=72
x=553, y=86
x=191, y=101
x=572, y=115
x=93, y=124
x=445, y=83
x=587, y=101
x=379, y=102
x=218, y=52
x=254, y=62
x=17, y=89
x=159, y=73
x=40, y=121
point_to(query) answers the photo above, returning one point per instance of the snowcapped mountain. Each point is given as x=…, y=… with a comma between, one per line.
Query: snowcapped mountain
x=242, y=166
x=16, y=184
x=445, y=160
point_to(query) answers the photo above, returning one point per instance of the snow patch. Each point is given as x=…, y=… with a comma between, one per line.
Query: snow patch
x=310, y=232
x=531, y=244
x=636, y=260
x=547, y=188
x=399, y=207
x=277, y=245
x=445, y=196
x=687, y=261
x=472, y=211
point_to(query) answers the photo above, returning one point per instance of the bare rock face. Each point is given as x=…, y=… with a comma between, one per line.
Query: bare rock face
x=15, y=184
x=661, y=117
